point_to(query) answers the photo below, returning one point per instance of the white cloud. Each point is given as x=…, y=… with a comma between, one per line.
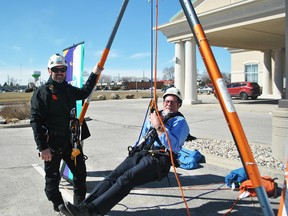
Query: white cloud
x=31, y=59
x=121, y=72
x=16, y=48
x=3, y=63
x=59, y=41
x=140, y=55
x=168, y=63
x=112, y=54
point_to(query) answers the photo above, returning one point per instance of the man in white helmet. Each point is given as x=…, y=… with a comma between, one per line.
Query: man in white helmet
x=149, y=161
x=51, y=106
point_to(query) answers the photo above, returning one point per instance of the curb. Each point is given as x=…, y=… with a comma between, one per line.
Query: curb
x=233, y=164
x=14, y=125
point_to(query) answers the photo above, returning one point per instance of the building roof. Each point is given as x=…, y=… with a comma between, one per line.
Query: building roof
x=242, y=24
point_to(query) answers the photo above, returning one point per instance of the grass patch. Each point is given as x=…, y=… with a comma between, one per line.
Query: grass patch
x=18, y=111
x=8, y=98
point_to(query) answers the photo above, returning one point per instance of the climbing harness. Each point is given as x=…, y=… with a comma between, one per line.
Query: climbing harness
x=74, y=128
x=151, y=136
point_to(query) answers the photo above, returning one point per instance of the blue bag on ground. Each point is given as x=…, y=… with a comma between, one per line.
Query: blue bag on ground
x=236, y=176
x=190, y=159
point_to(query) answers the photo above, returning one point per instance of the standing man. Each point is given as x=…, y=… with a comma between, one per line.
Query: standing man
x=147, y=162
x=52, y=111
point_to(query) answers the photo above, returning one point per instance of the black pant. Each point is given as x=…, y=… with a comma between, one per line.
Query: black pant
x=133, y=171
x=53, y=176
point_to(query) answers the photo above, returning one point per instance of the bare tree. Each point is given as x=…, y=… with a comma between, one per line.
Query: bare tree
x=13, y=81
x=126, y=79
x=226, y=77
x=105, y=78
x=168, y=73
x=205, y=79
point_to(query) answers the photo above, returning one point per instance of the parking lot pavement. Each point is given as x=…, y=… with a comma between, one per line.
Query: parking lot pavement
x=114, y=125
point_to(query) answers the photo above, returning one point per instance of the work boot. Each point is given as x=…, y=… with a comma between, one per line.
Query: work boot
x=55, y=207
x=80, y=210
x=64, y=210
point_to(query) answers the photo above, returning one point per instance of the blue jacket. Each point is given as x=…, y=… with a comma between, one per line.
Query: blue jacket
x=177, y=129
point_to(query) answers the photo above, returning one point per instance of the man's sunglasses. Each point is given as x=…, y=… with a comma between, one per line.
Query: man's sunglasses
x=58, y=70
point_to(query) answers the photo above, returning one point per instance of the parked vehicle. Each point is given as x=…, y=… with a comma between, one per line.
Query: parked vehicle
x=205, y=89
x=244, y=90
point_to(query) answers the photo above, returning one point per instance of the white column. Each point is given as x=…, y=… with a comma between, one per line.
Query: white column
x=278, y=74
x=179, y=66
x=267, y=75
x=191, y=96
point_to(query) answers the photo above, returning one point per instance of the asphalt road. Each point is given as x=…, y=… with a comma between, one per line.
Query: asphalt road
x=114, y=125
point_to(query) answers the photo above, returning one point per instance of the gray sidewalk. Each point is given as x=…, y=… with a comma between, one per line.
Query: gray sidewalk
x=114, y=125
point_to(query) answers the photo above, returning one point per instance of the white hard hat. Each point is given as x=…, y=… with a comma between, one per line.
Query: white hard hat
x=173, y=91
x=57, y=60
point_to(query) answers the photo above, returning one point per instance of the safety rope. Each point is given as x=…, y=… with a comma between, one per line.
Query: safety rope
x=153, y=104
x=151, y=49
x=156, y=52
x=151, y=75
x=173, y=164
x=235, y=203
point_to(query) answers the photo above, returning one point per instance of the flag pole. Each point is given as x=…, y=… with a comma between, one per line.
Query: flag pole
x=103, y=59
x=227, y=106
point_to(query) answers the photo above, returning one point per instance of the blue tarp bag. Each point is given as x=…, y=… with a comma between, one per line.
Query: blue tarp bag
x=236, y=176
x=190, y=159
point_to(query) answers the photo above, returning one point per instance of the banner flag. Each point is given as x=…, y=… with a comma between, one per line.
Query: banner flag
x=74, y=56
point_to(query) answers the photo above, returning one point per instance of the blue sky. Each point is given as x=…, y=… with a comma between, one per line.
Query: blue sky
x=32, y=30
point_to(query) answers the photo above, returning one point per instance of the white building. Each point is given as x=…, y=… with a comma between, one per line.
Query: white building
x=253, y=31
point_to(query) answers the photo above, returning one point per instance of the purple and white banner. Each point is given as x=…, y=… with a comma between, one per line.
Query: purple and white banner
x=74, y=56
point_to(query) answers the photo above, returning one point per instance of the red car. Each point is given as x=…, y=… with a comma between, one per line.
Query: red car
x=244, y=90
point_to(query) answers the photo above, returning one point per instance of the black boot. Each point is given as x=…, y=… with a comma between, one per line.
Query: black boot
x=64, y=210
x=56, y=207
x=80, y=210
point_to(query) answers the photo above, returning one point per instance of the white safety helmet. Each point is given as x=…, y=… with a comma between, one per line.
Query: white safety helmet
x=57, y=60
x=173, y=91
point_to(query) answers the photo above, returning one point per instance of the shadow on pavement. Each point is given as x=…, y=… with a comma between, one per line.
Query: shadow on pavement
x=170, y=181
x=206, y=179
x=206, y=198
x=214, y=207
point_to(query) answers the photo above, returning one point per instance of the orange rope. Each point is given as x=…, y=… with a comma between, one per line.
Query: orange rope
x=173, y=165
x=157, y=112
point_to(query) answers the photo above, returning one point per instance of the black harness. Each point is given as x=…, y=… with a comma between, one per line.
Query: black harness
x=152, y=136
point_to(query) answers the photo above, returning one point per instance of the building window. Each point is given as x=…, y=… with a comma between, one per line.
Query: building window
x=251, y=72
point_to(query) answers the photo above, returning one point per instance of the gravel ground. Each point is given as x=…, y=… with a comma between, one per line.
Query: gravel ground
x=227, y=149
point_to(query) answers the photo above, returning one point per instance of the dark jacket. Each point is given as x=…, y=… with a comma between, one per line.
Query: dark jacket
x=51, y=104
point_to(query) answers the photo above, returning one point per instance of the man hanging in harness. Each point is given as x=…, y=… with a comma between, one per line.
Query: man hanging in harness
x=149, y=161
